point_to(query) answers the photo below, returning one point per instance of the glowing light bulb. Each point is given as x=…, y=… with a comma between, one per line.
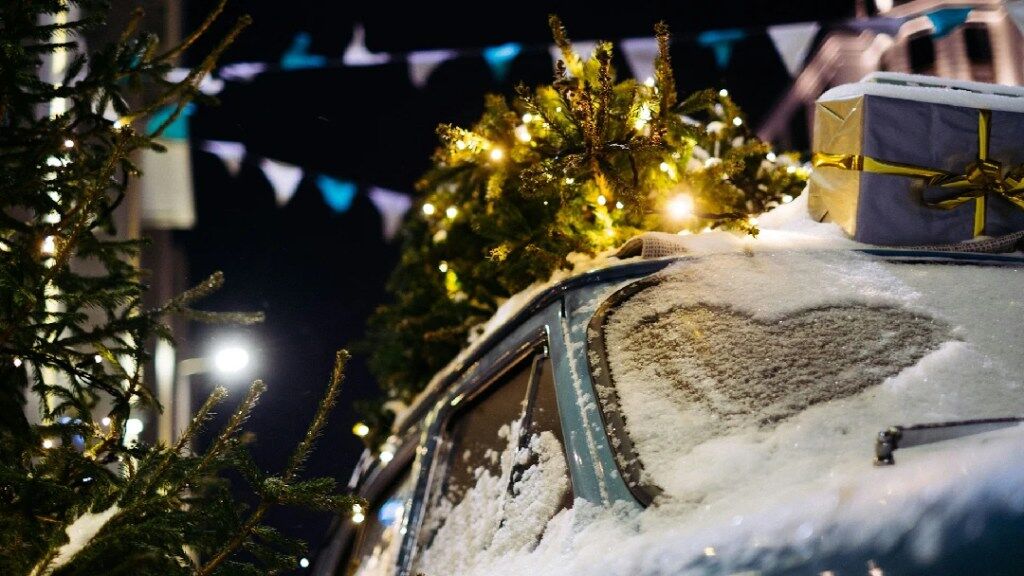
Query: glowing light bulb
x=527, y=118
x=709, y=551
x=680, y=206
x=460, y=145
x=609, y=231
x=558, y=109
x=387, y=456
x=443, y=267
x=523, y=133
x=451, y=212
x=790, y=169
x=752, y=220
x=723, y=92
x=570, y=181
x=429, y=208
x=601, y=199
x=643, y=117
x=620, y=205
x=133, y=427
x=360, y=429
x=97, y=359
x=357, y=518
x=17, y=362
x=786, y=198
x=737, y=121
x=649, y=82
x=54, y=162
x=69, y=143
x=771, y=157
x=47, y=443
x=49, y=245
x=105, y=421
x=303, y=562
x=497, y=154
x=664, y=166
x=52, y=217
x=118, y=124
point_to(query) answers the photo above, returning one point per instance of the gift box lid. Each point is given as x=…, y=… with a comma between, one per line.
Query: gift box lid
x=933, y=90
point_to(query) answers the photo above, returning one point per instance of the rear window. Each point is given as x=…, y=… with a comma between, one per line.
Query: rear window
x=729, y=377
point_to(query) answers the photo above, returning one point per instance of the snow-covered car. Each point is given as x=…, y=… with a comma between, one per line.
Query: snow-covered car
x=795, y=404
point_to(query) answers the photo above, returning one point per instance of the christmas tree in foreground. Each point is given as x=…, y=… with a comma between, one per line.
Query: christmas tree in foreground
x=572, y=168
x=75, y=496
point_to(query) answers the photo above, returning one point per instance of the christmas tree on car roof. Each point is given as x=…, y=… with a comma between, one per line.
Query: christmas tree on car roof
x=573, y=168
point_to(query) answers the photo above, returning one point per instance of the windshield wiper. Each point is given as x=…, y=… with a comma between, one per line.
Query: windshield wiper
x=906, y=436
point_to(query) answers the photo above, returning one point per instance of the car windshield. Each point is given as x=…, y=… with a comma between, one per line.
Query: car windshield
x=728, y=377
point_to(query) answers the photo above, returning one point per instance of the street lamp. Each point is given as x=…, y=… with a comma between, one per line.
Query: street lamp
x=226, y=360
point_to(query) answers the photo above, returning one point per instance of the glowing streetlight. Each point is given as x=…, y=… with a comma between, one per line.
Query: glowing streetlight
x=231, y=359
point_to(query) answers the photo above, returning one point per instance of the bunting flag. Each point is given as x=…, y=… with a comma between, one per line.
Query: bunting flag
x=392, y=207
x=721, y=42
x=338, y=194
x=945, y=20
x=585, y=48
x=887, y=25
x=230, y=153
x=422, y=64
x=793, y=42
x=357, y=54
x=284, y=179
x=167, y=198
x=298, y=57
x=499, y=58
x=640, y=54
x=1016, y=10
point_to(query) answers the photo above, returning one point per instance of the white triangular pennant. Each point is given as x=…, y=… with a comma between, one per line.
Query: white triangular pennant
x=640, y=54
x=283, y=178
x=392, y=207
x=357, y=54
x=585, y=48
x=230, y=153
x=422, y=64
x=793, y=41
x=1016, y=10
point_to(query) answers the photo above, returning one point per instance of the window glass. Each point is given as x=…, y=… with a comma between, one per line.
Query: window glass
x=501, y=474
x=380, y=536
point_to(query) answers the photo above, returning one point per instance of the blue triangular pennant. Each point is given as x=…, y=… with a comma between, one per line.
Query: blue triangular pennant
x=945, y=20
x=721, y=41
x=499, y=58
x=297, y=55
x=338, y=194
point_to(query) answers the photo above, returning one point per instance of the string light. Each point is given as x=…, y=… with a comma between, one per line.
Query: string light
x=69, y=143
x=47, y=443
x=386, y=456
x=752, y=220
x=460, y=145
x=723, y=93
x=451, y=212
x=105, y=421
x=49, y=245
x=17, y=362
x=97, y=359
x=790, y=169
x=771, y=157
x=601, y=199
x=527, y=118
x=709, y=551
x=443, y=267
x=118, y=124
x=497, y=154
x=664, y=166
x=360, y=429
x=303, y=562
x=523, y=133
x=357, y=514
x=428, y=208
x=680, y=206
x=643, y=117
x=649, y=82
x=570, y=181
x=786, y=198
x=52, y=217
x=737, y=121
x=620, y=205
x=54, y=162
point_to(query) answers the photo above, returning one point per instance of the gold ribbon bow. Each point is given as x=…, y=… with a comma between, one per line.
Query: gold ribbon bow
x=980, y=178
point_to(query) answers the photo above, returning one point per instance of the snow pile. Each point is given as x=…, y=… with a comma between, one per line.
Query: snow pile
x=487, y=523
x=80, y=532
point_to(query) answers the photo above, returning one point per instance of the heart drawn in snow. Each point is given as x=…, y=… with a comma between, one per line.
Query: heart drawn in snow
x=736, y=366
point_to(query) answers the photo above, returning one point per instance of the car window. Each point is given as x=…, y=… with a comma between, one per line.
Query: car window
x=380, y=534
x=736, y=375
x=501, y=473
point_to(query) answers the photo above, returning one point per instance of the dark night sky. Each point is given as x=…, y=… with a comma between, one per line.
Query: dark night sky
x=318, y=274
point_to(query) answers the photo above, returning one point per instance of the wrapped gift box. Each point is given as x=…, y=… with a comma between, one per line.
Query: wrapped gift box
x=894, y=155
